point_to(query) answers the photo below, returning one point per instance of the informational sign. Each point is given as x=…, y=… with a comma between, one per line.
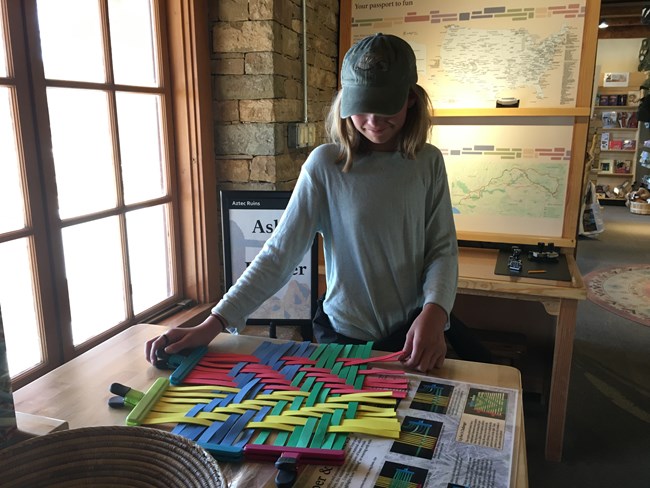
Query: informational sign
x=249, y=219
x=507, y=178
x=471, y=53
x=453, y=434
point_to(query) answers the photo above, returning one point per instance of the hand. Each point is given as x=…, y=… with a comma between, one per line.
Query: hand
x=179, y=338
x=425, y=345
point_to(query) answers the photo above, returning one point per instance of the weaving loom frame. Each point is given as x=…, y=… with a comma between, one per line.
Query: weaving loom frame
x=333, y=371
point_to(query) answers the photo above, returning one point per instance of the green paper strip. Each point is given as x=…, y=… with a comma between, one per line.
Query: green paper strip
x=315, y=393
x=318, y=351
x=321, y=430
x=307, y=432
x=277, y=410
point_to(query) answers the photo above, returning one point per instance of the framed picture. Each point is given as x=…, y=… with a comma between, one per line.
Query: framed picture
x=622, y=166
x=609, y=120
x=616, y=79
x=605, y=166
x=634, y=98
x=248, y=220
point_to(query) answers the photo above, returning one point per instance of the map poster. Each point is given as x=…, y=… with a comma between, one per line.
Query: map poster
x=249, y=219
x=453, y=434
x=507, y=179
x=471, y=53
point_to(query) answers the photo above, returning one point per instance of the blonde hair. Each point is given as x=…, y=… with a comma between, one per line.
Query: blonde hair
x=412, y=137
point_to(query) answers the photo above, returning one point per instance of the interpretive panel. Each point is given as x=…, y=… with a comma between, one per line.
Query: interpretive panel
x=509, y=179
x=453, y=435
x=249, y=219
x=471, y=53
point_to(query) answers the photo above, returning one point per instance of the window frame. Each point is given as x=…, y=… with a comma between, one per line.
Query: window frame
x=197, y=267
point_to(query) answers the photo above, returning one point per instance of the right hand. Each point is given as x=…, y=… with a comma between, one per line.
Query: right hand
x=179, y=338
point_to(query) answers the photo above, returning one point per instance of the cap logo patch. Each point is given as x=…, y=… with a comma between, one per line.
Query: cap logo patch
x=372, y=61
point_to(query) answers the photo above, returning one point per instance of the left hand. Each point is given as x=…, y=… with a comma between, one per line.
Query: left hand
x=425, y=345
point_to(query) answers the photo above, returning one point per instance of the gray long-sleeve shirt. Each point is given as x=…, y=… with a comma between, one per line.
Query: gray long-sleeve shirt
x=388, y=237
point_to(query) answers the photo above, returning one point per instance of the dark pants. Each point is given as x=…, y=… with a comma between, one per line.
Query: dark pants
x=461, y=338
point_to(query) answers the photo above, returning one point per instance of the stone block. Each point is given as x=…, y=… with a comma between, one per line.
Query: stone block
x=287, y=167
x=231, y=10
x=290, y=43
x=235, y=170
x=260, y=63
x=257, y=110
x=270, y=110
x=322, y=61
x=254, y=139
x=263, y=169
x=288, y=109
x=293, y=87
x=263, y=9
x=246, y=36
x=327, y=47
x=251, y=87
x=321, y=78
x=226, y=110
x=229, y=64
x=328, y=15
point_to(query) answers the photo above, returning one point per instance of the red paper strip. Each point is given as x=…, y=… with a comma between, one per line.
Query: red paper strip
x=379, y=359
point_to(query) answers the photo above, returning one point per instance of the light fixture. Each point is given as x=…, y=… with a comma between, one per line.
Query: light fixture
x=603, y=24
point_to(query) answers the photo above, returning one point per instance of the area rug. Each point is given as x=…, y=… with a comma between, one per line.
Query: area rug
x=623, y=290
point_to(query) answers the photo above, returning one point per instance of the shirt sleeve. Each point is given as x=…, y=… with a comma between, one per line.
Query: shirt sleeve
x=440, y=278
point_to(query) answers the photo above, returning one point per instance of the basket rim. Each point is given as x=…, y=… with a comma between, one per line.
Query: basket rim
x=96, y=453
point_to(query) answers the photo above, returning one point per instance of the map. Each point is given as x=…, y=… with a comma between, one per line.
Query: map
x=508, y=175
x=470, y=55
x=505, y=181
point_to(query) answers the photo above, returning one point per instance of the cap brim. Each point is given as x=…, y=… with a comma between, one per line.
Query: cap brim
x=372, y=100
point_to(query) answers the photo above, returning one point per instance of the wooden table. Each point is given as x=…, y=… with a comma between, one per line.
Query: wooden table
x=560, y=300
x=78, y=391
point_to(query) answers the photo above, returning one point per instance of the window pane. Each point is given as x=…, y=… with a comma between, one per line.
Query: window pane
x=149, y=256
x=132, y=42
x=138, y=117
x=18, y=307
x=11, y=195
x=3, y=46
x=71, y=45
x=82, y=150
x=94, y=270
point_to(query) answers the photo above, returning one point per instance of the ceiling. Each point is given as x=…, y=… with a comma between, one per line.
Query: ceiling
x=624, y=19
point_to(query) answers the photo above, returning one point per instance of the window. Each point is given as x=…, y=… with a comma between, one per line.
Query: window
x=91, y=228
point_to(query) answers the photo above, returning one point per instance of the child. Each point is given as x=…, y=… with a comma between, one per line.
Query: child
x=378, y=194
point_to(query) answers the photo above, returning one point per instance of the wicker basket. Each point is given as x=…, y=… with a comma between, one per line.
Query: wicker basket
x=640, y=208
x=109, y=456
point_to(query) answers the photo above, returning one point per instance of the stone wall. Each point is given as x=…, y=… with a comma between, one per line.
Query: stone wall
x=257, y=85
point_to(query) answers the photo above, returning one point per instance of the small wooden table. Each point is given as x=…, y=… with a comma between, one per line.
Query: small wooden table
x=560, y=300
x=78, y=391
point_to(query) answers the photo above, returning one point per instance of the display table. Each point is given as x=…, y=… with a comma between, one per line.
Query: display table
x=78, y=391
x=560, y=300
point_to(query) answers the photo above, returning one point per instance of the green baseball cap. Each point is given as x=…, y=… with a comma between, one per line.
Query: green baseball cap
x=377, y=73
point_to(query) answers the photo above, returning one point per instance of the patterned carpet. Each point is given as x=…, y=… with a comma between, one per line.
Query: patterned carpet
x=623, y=290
